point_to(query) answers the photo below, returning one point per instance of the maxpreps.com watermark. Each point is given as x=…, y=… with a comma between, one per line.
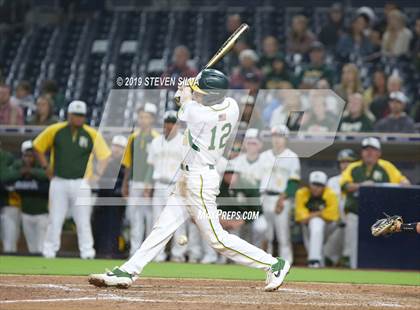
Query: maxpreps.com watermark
x=230, y=215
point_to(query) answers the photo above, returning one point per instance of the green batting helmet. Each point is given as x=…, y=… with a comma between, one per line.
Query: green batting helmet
x=211, y=83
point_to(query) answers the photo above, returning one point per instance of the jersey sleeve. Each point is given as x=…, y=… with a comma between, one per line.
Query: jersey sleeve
x=294, y=169
x=127, y=159
x=45, y=140
x=100, y=148
x=152, y=152
x=301, y=212
x=395, y=175
x=346, y=176
x=331, y=210
x=193, y=112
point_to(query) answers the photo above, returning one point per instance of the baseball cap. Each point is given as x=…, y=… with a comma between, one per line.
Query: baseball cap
x=398, y=96
x=77, y=107
x=251, y=133
x=280, y=130
x=150, y=108
x=247, y=100
x=371, y=142
x=26, y=145
x=346, y=155
x=170, y=116
x=120, y=141
x=317, y=46
x=318, y=178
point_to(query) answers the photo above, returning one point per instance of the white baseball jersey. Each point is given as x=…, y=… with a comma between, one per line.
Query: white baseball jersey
x=251, y=171
x=208, y=130
x=334, y=184
x=278, y=169
x=165, y=156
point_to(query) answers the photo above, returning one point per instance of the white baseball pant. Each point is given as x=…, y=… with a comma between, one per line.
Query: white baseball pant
x=10, y=228
x=278, y=224
x=202, y=189
x=140, y=214
x=315, y=233
x=34, y=229
x=351, y=235
x=160, y=197
x=72, y=195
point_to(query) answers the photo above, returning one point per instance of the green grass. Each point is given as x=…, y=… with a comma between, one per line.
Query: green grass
x=72, y=266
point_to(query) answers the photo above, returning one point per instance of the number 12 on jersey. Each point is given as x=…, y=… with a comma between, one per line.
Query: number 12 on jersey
x=225, y=132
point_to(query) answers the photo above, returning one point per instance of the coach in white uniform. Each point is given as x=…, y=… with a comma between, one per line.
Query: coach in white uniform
x=281, y=175
x=72, y=145
x=210, y=117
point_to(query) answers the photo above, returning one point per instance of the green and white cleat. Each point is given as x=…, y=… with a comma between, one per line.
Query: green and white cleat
x=114, y=278
x=276, y=275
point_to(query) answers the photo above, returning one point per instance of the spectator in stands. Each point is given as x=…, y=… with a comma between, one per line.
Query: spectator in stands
x=23, y=96
x=388, y=8
x=334, y=28
x=248, y=60
x=288, y=113
x=233, y=22
x=10, y=114
x=316, y=69
x=317, y=210
x=379, y=107
x=415, y=44
x=50, y=88
x=355, y=117
x=278, y=76
x=369, y=15
x=375, y=38
x=179, y=67
x=275, y=100
x=397, y=120
x=318, y=119
x=252, y=82
x=270, y=53
x=350, y=82
x=397, y=37
x=44, y=114
x=107, y=219
x=31, y=183
x=415, y=113
x=356, y=44
x=367, y=171
x=377, y=90
x=299, y=38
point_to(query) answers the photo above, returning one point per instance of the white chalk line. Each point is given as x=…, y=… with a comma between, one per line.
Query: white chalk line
x=110, y=297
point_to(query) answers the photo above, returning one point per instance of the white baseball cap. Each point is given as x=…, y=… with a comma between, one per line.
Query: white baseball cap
x=26, y=145
x=398, y=96
x=150, y=108
x=77, y=107
x=318, y=177
x=281, y=130
x=251, y=133
x=372, y=142
x=120, y=141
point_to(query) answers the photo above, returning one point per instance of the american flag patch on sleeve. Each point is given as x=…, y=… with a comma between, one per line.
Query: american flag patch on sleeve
x=222, y=117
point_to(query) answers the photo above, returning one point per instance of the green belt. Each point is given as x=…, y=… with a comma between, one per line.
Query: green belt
x=187, y=168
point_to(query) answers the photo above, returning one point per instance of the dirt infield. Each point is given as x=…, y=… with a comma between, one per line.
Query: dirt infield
x=69, y=292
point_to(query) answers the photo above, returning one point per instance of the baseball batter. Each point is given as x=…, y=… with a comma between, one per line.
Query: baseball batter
x=210, y=117
x=164, y=159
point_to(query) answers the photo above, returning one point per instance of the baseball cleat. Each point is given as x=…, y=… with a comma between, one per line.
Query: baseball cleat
x=116, y=278
x=276, y=275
